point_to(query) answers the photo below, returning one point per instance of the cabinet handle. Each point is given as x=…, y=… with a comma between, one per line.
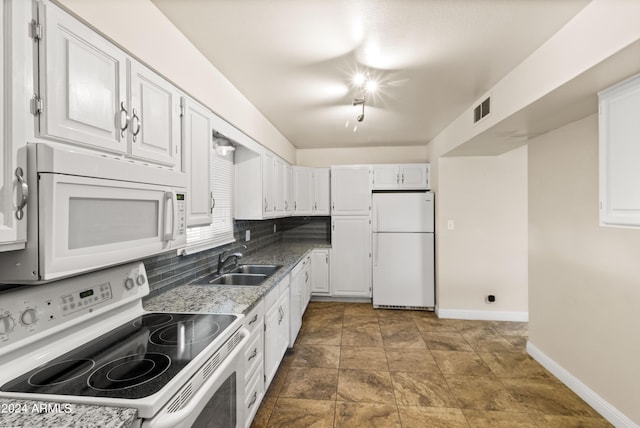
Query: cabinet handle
x=213, y=202
x=306, y=276
x=136, y=126
x=403, y=178
x=397, y=178
x=333, y=206
x=326, y=258
x=253, y=354
x=266, y=205
x=24, y=188
x=315, y=206
x=254, y=319
x=124, y=118
x=253, y=399
x=286, y=206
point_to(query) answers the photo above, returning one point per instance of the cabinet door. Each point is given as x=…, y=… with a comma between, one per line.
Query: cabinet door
x=306, y=289
x=14, y=72
x=321, y=183
x=82, y=84
x=278, y=187
x=350, y=190
x=268, y=182
x=283, y=324
x=414, y=176
x=295, y=305
x=288, y=190
x=303, y=191
x=196, y=136
x=619, y=130
x=351, y=256
x=320, y=271
x=154, y=127
x=271, y=343
x=386, y=177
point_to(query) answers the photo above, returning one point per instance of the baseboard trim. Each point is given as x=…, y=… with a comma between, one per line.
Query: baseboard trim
x=599, y=404
x=464, y=314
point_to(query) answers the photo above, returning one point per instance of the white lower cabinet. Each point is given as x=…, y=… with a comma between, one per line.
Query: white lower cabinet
x=320, y=272
x=351, y=256
x=276, y=328
x=254, y=362
x=299, y=296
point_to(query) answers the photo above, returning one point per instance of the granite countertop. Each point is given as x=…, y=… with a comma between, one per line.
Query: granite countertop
x=185, y=298
x=233, y=299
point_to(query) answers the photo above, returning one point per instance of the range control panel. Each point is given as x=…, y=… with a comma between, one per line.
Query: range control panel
x=27, y=311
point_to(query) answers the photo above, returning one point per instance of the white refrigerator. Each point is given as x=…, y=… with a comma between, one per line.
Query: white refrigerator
x=403, y=250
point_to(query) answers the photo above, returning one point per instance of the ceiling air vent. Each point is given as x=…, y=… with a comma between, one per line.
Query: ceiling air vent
x=482, y=110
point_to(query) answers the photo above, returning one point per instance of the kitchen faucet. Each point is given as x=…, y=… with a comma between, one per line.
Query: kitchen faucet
x=223, y=258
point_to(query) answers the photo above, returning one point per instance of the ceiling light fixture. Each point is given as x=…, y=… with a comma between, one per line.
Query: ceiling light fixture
x=222, y=144
x=365, y=85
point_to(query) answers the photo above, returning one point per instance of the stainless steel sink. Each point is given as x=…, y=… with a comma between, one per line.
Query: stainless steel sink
x=242, y=275
x=238, y=279
x=257, y=269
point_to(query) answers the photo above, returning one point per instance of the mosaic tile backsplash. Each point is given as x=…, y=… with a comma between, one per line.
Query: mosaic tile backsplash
x=169, y=269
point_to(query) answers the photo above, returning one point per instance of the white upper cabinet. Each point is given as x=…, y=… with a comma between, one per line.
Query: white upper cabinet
x=16, y=88
x=154, y=125
x=350, y=190
x=619, y=129
x=197, y=133
x=288, y=189
x=269, y=193
x=400, y=177
x=311, y=191
x=82, y=84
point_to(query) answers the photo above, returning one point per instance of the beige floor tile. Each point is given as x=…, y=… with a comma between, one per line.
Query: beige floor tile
x=366, y=336
x=292, y=412
x=410, y=360
x=432, y=417
x=483, y=393
x=322, y=336
x=398, y=324
x=548, y=396
x=510, y=328
x=422, y=389
x=263, y=414
x=497, y=419
x=405, y=339
x=490, y=344
x=319, y=320
x=460, y=363
x=365, y=386
x=358, y=415
x=359, y=309
x=363, y=358
x=310, y=383
x=518, y=342
x=326, y=356
x=276, y=383
x=434, y=325
x=360, y=321
x=514, y=364
x=554, y=421
x=446, y=342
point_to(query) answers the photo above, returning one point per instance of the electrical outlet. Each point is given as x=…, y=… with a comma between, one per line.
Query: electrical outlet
x=451, y=225
x=247, y=235
x=491, y=298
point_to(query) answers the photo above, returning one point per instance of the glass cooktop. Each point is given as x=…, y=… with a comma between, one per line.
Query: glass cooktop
x=134, y=360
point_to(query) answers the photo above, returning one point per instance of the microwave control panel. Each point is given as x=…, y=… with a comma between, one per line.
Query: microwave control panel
x=29, y=313
x=182, y=212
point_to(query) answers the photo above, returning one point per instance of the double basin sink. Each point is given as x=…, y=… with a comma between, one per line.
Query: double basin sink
x=241, y=275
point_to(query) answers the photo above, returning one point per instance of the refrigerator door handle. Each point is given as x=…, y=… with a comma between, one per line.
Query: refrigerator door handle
x=375, y=249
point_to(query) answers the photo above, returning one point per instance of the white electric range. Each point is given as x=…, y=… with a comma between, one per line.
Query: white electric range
x=87, y=340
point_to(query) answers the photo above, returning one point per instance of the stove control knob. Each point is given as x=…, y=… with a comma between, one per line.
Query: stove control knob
x=140, y=279
x=6, y=324
x=128, y=283
x=29, y=317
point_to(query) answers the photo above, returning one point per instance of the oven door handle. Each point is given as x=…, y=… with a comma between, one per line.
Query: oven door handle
x=172, y=420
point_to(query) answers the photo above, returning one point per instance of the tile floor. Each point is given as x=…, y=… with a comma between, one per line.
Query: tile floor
x=355, y=366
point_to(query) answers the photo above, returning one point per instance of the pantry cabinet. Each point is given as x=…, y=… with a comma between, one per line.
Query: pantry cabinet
x=197, y=135
x=16, y=87
x=320, y=268
x=350, y=190
x=619, y=129
x=400, y=177
x=351, y=256
x=311, y=191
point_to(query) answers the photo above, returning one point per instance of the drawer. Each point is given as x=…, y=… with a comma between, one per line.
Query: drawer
x=253, y=353
x=255, y=318
x=254, y=392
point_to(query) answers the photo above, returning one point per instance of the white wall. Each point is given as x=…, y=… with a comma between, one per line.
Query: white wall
x=360, y=155
x=141, y=29
x=486, y=252
x=584, y=280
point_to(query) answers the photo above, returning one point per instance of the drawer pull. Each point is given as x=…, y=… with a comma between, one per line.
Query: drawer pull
x=254, y=354
x=254, y=319
x=253, y=399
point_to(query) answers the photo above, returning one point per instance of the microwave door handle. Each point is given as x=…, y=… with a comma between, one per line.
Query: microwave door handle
x=174, y=419
x=170, y=211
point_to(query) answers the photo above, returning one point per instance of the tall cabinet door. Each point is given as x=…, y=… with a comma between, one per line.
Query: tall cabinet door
x=351, y=256
x=82, y=84
x=197, y=134
x=154, y=127
x=350, y=190
x=321, y=194
x=302, y=191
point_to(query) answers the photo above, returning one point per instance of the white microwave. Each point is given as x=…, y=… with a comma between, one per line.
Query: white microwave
x=86, y=211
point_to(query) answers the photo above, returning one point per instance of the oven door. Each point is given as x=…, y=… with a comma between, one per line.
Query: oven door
x=89, y=223
x=217, y=403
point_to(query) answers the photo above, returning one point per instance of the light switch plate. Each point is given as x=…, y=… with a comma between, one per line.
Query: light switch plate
x=451, y=225
x=247, y=235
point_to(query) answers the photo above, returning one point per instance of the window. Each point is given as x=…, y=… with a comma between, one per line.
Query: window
x=220, y=231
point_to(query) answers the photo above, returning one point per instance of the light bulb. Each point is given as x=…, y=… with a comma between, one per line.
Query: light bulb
x=358, y=79
x=371, y=86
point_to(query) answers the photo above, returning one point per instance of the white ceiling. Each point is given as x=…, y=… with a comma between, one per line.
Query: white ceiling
x=294, y=59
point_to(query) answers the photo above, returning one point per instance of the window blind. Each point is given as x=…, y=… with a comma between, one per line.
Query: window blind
x=220, y=231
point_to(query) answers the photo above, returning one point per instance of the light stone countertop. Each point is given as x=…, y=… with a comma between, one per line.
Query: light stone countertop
x=185, y=298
